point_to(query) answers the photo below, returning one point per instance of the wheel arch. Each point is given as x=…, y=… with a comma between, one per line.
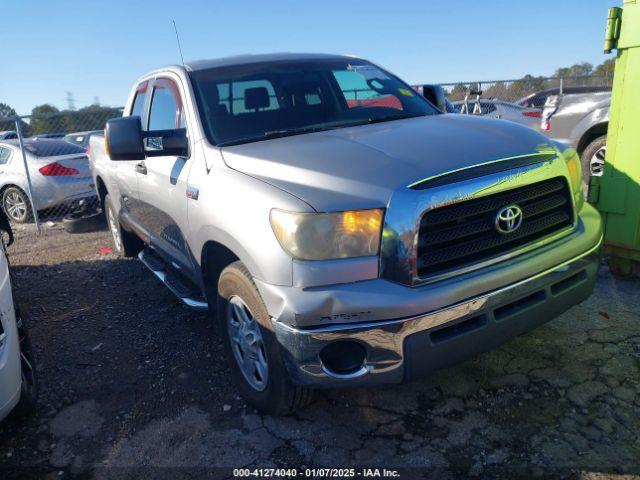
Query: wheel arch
x=590, y=135
x=12, y=184
x=101, y=188
x=215, y=257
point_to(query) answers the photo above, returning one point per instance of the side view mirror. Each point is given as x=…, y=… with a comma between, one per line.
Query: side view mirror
x=125, y=140
x=435, y=94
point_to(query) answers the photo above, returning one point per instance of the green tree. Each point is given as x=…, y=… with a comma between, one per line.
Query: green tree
x=605, y=68
x=458, y=92
x=7, y=112
x=525, y=86
x=46, y=119
x=582, y=69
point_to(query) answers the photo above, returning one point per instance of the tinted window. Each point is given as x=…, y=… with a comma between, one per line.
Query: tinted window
x=258, y=101
x=5, y=155
x=166, y=112
x=138, y=101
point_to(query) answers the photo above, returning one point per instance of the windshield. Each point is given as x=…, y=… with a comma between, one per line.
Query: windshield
x=260, y=101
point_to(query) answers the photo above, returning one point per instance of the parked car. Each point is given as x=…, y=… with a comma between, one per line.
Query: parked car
x=59, y=174
x=18, y=378
x=580, y=120
x=538, y=99
x=81, y=138
x=8, y=135
x=500, y=109
x=336, y=244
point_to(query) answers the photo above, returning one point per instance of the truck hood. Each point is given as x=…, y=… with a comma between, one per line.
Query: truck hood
x=361, y=167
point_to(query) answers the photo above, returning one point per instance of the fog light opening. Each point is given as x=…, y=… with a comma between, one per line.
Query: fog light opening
x=343, y=358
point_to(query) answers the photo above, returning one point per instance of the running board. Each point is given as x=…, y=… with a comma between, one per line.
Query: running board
x=181, y=288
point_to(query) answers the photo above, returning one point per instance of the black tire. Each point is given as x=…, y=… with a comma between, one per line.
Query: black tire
x=588, y=154
x=30, y=386
x=83, y=222
x=280, y=396
x=10, y=196
x=125, y=243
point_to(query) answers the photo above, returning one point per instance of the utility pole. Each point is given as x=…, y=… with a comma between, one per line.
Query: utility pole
x=71, y=104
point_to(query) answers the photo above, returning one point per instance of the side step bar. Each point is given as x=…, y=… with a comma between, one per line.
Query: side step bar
x=187, y=293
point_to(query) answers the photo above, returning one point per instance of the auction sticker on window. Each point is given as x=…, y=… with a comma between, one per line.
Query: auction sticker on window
x=369, y=72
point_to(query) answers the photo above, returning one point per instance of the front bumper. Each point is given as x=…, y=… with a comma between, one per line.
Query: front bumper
x=407, y=347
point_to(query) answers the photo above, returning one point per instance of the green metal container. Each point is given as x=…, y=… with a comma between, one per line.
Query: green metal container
x=617, y=192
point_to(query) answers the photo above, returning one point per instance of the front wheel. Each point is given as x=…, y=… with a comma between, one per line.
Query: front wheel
x=253, y=352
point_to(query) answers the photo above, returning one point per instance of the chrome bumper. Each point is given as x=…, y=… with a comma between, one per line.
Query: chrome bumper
x=401, y=349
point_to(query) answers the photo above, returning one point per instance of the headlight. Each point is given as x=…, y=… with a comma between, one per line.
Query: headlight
x=325, y=236
x=574, y=166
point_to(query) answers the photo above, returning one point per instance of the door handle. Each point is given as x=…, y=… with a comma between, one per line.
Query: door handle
x=141, y=168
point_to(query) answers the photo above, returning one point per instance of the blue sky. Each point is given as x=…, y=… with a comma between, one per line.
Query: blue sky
x=97, y=49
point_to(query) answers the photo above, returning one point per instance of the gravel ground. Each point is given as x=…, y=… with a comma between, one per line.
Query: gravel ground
x=131, y=378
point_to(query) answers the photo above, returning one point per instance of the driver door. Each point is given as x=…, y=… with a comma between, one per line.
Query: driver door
x=162, y=180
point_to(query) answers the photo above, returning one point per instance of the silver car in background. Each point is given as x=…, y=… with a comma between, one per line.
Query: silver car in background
x=59, y=174
x=81, y=139
x=8, y=135
x=580, y=120
x=500, y=109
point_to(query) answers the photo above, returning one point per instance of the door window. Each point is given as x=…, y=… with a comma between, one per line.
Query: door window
x=138, y=100
x=166, y=112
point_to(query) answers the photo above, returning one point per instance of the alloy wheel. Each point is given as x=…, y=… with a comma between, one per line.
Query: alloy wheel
x=16, y=206
x=596, y=163
x=247, y=343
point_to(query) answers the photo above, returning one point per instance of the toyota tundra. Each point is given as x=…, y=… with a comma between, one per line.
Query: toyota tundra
x=341, y=230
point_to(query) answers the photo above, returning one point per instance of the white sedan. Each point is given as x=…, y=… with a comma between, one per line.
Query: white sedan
x=18, y=381
x=59, y=174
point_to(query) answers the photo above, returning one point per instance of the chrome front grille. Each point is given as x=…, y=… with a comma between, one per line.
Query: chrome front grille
x=464, y=233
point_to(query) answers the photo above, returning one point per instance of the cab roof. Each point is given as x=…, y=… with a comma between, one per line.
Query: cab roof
x=260, y=58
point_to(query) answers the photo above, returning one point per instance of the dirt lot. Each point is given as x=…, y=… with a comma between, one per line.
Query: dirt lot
x=131, y=378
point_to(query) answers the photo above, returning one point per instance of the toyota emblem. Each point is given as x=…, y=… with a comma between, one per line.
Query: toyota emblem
x=509, y=219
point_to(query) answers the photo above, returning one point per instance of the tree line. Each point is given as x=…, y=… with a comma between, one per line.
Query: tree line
x=579, y=74
x=47, y=118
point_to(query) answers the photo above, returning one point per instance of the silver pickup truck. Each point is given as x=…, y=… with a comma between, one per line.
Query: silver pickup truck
x=341, y=229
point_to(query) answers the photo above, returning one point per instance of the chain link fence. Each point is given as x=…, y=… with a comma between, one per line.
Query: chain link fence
x=529, y=92
x=45, y=177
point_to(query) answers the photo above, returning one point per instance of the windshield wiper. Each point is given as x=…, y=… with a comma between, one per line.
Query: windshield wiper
x=388, y=118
